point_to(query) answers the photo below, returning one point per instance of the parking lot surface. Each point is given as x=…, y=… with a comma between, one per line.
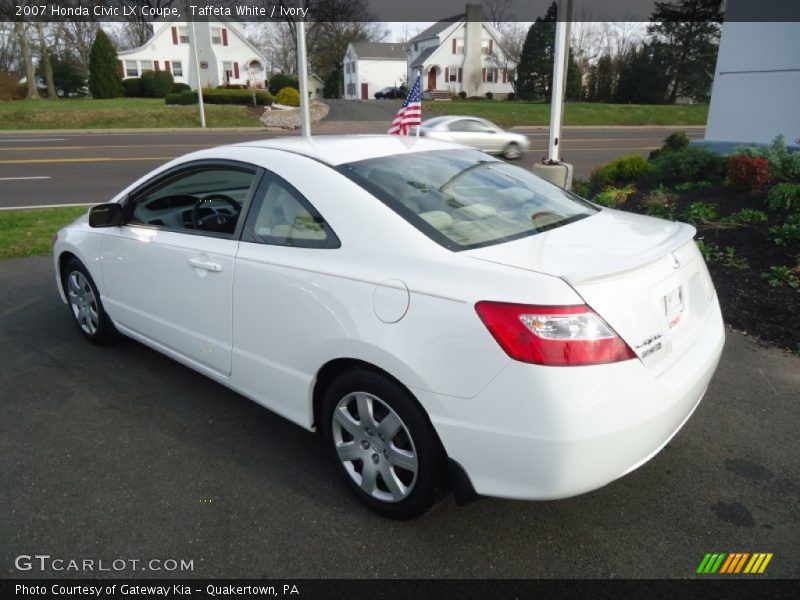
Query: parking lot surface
x=119, y=452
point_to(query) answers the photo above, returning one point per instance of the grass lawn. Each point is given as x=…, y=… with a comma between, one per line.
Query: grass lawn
x=30, y=232
x=508, y=113
x=117, y=113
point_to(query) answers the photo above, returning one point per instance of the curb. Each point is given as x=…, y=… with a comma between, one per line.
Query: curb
x=130, y=130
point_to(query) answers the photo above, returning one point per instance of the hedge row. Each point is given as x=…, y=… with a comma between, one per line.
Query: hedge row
x=222, y=96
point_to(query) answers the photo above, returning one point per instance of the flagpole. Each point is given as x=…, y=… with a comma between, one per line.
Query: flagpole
x=199, y=83
x=419, y=78
x=302, y=75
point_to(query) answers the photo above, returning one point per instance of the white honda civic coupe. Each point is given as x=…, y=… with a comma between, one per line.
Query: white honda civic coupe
x=446, y=320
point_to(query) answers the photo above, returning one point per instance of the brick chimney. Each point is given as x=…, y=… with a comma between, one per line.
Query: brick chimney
x=473, y=61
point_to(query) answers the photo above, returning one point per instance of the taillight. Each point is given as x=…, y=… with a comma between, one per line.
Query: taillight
x=553, y=335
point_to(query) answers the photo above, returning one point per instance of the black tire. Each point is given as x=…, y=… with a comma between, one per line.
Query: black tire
x=100, y=330
x=512, y=151
x=429, y=482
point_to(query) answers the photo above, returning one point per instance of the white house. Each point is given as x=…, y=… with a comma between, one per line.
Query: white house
x=224, y=55
x=315, y=86
x=756, y=84
x=371, y=66
x=461, y=53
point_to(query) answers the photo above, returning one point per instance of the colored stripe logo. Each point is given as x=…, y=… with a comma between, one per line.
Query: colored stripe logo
x=732, y=563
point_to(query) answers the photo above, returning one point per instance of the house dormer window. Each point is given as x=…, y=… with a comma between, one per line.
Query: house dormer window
x=216, y=36
x=183, y=35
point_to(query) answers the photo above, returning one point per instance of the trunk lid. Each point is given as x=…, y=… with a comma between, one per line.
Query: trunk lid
x=644, y=276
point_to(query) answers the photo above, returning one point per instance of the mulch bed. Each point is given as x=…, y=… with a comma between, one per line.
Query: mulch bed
x=749, y=303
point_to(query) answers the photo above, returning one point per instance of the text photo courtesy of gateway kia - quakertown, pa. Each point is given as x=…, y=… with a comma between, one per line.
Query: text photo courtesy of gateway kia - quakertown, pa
x=359, y=298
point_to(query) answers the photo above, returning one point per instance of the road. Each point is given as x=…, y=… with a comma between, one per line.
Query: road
x=89, y=168
x=119, y=452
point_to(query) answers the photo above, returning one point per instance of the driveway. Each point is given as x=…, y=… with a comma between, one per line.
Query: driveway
x=120, y=452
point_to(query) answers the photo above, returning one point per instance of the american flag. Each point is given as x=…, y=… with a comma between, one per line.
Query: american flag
x=410, y=113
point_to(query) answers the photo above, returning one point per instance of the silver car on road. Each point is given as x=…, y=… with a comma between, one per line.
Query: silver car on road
x=477, y=133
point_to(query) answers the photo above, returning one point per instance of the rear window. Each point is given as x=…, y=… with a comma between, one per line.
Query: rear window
x=466, y=199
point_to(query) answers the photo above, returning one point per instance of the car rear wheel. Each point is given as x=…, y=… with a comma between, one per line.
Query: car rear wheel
x=382, y=444
x=512, y=151
x=85, y=305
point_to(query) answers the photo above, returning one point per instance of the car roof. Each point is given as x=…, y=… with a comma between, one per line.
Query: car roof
x=339, y=149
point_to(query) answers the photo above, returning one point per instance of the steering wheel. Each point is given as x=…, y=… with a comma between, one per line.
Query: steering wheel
x=220, y=221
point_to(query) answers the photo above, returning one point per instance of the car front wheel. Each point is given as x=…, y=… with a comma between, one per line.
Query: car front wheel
x=382, y=444
x=85, y=305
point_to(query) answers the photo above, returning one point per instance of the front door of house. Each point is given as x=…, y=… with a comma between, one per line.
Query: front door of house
x=432, y=79
x=365, y=91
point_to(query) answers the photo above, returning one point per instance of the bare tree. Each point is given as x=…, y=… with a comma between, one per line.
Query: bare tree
x=496, y=11
x=512, y=38
x=78, y=36
x=137, y=30
x=21, y=32
x=9, y=53
x=44, y=57
x=276, y=42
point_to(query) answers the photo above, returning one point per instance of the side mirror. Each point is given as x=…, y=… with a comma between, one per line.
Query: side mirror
x=106, y=215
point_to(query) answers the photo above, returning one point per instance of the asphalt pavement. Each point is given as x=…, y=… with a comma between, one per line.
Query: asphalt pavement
x=58, y=168
x=119, y=452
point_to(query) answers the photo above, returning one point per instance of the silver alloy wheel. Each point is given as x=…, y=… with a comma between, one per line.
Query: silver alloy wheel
x=512, y=151
x=83, y=302
x=375, y=447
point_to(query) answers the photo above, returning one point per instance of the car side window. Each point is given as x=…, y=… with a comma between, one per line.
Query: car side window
x=279, y=215
x=469, y=126
x=203, y=199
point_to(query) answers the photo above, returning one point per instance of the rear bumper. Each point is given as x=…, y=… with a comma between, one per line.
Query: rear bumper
x=545, y=433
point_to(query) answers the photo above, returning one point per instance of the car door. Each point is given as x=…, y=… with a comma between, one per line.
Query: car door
x=472, y=132
x=282, y=307
x=169, y=270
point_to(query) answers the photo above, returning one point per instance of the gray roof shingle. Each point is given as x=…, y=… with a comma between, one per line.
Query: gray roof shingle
x=380, y=50
x=437, y=28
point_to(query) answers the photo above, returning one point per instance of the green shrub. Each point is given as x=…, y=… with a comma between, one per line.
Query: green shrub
x=660, y=202
x=623, y=170
x=786, y=234
x=281, y=80
x=783, y=164
x=244, y=97
x=104, y=79
x=690, y=164
x=133, y=88
x=778, y=276
x=180, y=87
x=185, y=97
x=612, y=196
x=676, y=140
x=511, y=96
x=728, y=258
x=288, y=96
x=157, y=84
x=747, y=216
x=709, y=250
x=784, y=195
x=462, y=94
x=489, y=95
x=700, y=212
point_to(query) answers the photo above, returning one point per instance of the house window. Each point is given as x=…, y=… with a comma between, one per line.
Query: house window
x=452, y=76
x=131, y=68
x=416, y=47
x=177, y=68
x=146, y=65
x=183, y=35
x=216, y=36
x=227, y=68
x=491, y=76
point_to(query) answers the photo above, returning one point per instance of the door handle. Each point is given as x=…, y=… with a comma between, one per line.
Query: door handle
x=199, y=263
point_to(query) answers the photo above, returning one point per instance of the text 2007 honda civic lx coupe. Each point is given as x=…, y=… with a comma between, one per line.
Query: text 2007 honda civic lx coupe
x=444, y=318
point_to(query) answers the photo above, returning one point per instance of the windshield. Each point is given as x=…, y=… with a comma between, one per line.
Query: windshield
x=466, y=199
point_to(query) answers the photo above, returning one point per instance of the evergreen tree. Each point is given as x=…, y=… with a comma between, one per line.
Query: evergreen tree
x=641, y=80
x=67, y=75
x=104, y=79
x=684, y=37
x=535, y=68
x=604, y=80
x=574, y=89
